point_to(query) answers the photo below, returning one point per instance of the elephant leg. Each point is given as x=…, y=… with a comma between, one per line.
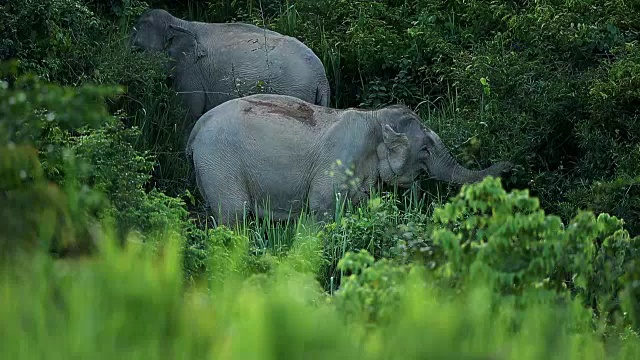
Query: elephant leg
x=226, y=199
x=230, y=210
x=194, y=101
x=322, y=200
x=322, y=95
x=196, y=108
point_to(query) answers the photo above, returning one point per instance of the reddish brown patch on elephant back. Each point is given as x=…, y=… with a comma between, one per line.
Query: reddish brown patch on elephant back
x=301, y=112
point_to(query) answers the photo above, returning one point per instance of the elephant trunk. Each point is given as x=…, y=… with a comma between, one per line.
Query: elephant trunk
x=442, y=166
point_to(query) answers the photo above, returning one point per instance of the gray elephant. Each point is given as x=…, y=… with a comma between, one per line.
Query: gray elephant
x=278, y=151
x=211, y=63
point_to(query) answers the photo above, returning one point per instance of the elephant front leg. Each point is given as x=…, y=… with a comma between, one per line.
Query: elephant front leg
x=197, y=105
x=194, y=101
x=323, y=200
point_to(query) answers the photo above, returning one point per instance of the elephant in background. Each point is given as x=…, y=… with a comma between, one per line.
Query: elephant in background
x=279, y=150
x=211, y=63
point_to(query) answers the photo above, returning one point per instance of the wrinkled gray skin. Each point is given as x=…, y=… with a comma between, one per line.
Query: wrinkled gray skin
x=281, y=149
x=215, y=62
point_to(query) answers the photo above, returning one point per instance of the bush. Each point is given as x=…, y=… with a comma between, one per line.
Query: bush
x=376, y=227
x=150, y=105
x=76, y=57
x=371, y=290
x=121, y=172
x=486, y=235
x=505, y=240
x=63, y=217
x=54, y=39
x=63, y=151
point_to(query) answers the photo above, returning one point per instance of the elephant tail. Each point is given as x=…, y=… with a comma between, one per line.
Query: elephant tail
x=323, y=93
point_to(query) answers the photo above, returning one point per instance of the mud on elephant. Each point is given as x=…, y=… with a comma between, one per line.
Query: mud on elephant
x=278, y=150
x=211, y=63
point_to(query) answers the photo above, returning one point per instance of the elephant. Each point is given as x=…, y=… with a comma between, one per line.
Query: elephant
x=210, y=63
x=272, y=155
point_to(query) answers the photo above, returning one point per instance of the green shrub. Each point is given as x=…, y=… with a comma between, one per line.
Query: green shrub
x=505, y=240
x=121, y=172
x=54, y=39
x=229, y=256
x=371, y=290
x=631, y=293
x=77, y=174
x=76, y=57
x=376, y=227
x=35, y=211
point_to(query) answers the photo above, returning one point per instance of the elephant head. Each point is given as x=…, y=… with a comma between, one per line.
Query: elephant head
x=151, y=30
x=409, y=149
x=157, y=30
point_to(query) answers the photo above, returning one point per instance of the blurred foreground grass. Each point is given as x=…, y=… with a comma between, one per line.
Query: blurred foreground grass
x=132, y=303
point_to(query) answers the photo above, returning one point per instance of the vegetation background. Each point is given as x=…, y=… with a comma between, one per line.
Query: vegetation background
x=91, y=154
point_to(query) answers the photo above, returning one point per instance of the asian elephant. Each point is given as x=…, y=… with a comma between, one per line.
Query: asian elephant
x=211, y=63
x=279, y=150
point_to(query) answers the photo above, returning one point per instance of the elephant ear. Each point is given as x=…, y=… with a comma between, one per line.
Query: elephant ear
x=397, y=148
x=182, y=42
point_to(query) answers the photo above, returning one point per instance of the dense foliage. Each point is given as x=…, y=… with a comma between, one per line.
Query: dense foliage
x=92, y=163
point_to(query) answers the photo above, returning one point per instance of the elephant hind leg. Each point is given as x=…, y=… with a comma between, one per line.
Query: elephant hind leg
x=230, y=214
x=228, y=202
